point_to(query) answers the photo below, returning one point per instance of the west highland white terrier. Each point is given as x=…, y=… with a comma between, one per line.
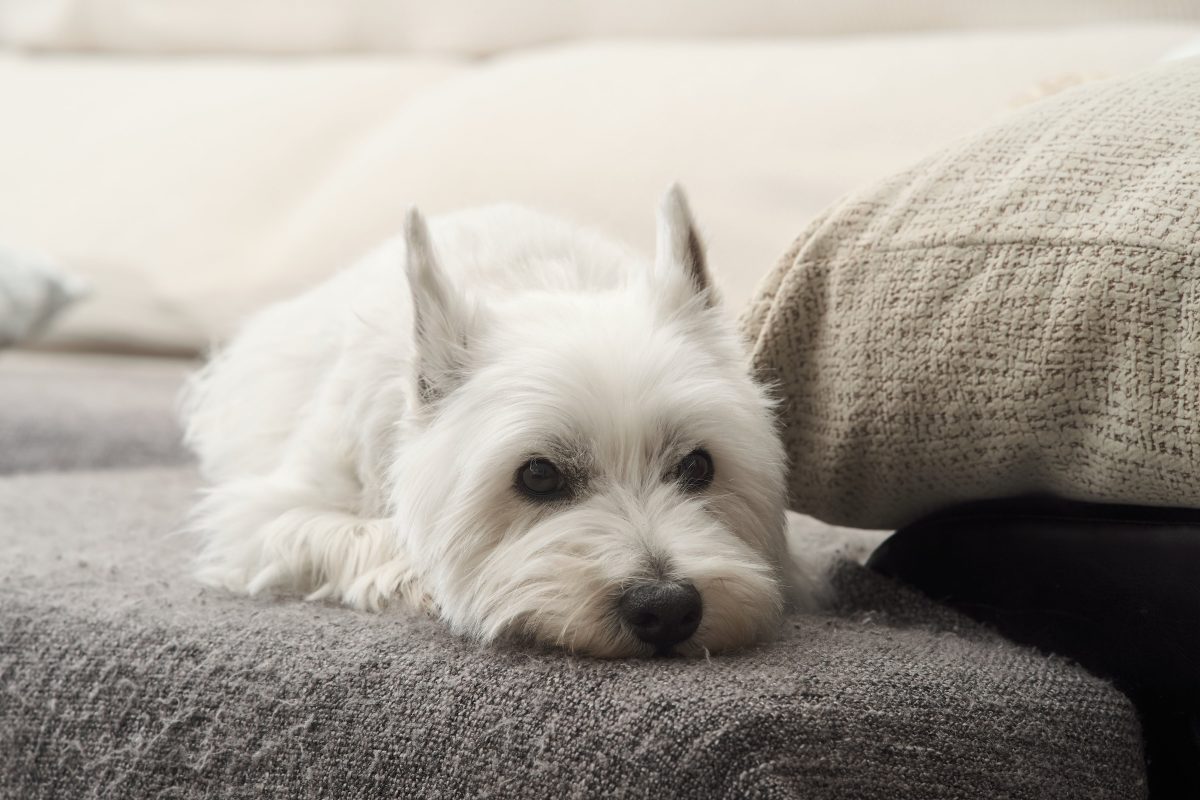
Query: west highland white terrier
x=517, y=425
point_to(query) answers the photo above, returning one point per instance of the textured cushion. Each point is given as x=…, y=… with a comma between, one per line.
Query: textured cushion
x=88, y=412
x=122, y=678
x=200, y=190
x=1018, y=313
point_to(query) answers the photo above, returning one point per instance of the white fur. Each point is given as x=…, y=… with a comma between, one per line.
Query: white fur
x=362, y=440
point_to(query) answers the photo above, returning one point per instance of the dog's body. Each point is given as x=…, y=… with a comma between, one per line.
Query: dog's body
x=515, y=424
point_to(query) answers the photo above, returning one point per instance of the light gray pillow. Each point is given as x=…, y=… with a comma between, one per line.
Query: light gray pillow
x=32, y=291
x=1019, y=313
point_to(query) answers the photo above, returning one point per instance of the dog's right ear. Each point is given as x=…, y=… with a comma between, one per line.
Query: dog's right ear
x=440, y=316
x=680, y=250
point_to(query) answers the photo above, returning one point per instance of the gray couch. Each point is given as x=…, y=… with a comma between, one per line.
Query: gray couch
x=120, y=677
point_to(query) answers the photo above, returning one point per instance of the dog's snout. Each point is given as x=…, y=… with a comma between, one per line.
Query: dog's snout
x=662, y=613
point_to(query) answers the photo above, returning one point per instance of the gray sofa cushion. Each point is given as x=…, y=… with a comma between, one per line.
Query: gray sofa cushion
x=63, y=411
x=120, y=677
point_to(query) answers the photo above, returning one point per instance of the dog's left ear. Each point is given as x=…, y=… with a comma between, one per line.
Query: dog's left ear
x=441, y=316
x=680, y=248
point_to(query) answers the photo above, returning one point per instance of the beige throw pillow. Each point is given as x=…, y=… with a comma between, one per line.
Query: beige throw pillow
x=1019, y=313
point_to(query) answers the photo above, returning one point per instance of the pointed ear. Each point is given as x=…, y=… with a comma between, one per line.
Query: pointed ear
x=680, y=247
x=440, y=316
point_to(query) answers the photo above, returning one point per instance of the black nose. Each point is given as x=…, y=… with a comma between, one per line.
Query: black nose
x=662, y=613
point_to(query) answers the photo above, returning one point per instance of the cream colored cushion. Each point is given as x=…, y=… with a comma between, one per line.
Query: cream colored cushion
x=192, y=192
x=165, y=184
x=1019, y=313
x=484, y=27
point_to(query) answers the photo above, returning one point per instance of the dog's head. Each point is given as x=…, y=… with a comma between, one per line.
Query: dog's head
x=594, y=470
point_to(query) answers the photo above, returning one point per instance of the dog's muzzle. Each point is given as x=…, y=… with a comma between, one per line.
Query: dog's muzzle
x=661, y=613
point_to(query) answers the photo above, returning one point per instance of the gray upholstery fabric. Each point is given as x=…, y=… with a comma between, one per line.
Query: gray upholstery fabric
x=60, y=411
x=120, y=677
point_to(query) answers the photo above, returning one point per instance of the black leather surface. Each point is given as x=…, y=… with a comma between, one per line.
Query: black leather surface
x=1116, y=588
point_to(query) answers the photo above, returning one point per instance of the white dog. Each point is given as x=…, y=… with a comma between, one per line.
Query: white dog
x=515, y=424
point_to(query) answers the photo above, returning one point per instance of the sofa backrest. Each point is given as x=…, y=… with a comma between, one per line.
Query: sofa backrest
x=487, y=27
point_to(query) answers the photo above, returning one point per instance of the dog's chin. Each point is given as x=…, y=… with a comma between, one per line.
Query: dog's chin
x=740, y=610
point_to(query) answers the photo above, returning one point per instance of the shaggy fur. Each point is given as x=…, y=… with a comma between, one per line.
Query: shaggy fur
x=362, y=440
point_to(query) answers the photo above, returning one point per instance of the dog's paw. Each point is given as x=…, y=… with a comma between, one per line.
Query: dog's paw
x=380, y=586
x=262, y=538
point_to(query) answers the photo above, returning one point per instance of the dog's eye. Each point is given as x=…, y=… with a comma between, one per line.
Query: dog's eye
x=541, y=480
x=695, y=471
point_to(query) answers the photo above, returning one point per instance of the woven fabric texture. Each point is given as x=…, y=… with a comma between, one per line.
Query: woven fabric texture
x=1019, y=313
x=120, y=677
